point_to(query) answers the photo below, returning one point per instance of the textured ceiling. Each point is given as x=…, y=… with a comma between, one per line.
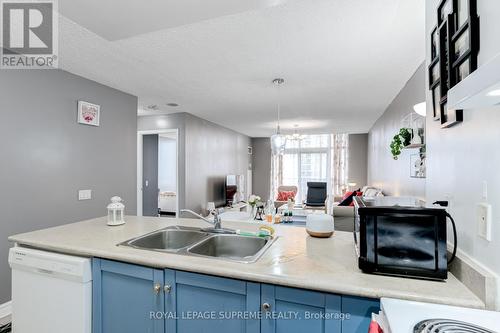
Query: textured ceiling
x=343, y=61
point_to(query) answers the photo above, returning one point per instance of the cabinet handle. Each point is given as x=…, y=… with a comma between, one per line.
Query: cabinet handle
x=167, y=288
x=266, y=306
x=157, y=288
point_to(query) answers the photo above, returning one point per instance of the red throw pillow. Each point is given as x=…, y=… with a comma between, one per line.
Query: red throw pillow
x=285, y=195
x=346, y=195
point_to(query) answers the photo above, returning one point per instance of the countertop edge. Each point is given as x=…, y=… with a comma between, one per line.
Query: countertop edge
x=247, y=276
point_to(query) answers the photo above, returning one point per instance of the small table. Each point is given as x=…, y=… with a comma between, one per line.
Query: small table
x=299, y=214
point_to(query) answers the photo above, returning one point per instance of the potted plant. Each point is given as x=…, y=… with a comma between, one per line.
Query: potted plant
x=400, y=140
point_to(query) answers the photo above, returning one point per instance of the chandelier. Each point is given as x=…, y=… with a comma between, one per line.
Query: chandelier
x=296, y=136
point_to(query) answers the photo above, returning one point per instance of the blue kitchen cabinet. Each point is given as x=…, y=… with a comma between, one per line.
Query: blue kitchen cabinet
x=129, y=298
x=124, y=298
x=296, y=311
x=205, y=303
x=359, y=310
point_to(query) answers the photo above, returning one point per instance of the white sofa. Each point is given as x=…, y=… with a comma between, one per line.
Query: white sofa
x=348, y=211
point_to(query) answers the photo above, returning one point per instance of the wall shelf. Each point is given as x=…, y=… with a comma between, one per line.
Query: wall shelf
x=416, y=124
x=415, y=146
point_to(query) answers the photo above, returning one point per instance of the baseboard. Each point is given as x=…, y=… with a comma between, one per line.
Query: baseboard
x=5, y=313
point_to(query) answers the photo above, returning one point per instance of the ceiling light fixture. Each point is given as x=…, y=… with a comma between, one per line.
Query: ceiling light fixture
x=173, y=104
x=278, y=141
x=421, y=108
x=494, y=93
x=153, y=107
x=296, y=136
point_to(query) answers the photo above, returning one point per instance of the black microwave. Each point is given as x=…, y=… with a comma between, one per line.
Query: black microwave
x=400, y=236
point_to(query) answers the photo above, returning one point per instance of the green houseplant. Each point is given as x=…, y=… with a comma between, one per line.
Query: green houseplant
x=400, y=140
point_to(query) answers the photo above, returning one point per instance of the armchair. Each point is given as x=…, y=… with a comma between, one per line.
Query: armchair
x=285, y=188
x=316, y=195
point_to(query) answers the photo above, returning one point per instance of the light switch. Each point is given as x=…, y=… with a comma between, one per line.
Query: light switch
x=84, y=194
x=484, y=220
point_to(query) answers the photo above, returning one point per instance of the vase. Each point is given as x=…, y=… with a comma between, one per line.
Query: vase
x=253, y=212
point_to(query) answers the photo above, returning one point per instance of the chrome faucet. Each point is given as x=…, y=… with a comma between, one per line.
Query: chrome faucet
x=217, y=223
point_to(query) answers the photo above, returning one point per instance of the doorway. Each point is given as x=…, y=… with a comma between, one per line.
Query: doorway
x=157, y=174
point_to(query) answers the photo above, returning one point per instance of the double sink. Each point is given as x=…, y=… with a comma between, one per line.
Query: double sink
x=203, y=243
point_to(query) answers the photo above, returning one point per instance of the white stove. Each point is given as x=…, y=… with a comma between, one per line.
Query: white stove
x=414, y=317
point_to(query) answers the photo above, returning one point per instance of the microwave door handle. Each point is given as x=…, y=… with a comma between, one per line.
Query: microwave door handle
x=453, y=255
x=355, y=231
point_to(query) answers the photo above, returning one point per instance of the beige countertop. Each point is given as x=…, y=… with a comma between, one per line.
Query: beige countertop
x=294, y=260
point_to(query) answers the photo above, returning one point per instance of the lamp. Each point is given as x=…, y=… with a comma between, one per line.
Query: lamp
x=421, y=108
x=278, y=141
x=351, y=185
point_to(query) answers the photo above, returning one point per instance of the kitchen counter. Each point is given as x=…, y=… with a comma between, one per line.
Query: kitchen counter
x=294, y=260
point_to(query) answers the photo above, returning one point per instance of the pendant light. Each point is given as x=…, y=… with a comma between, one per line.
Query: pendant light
x=278, y=141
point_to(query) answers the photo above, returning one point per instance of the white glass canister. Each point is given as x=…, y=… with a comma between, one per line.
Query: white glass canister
x=116, y=212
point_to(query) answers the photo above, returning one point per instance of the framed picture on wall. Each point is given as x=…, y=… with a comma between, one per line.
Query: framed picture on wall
x=417, y=166
x=454, y=46
x=434, y=43
x=436, y=102
x=434, y=73
x=450, y=118
x=88, y=113
x=464, y=41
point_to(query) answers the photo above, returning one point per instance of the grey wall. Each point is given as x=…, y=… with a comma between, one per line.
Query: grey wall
x=212, y=152
x=46, y=156
x=261, y=165
x=207, y=153
x=358, y=159
x=392, y=176
x=462, y=157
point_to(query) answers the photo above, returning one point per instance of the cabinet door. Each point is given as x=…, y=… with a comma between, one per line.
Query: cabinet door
x=205, y=303
x=126, y=298
x=360, y=312
x=288, y=310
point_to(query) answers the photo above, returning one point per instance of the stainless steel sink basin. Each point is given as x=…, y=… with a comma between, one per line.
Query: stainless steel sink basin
x=198, y=242
x=239, y=248
x=167, y=239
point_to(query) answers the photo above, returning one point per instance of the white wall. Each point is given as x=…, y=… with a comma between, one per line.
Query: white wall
x=462, y=157
x=167, y=173
x=393, y=176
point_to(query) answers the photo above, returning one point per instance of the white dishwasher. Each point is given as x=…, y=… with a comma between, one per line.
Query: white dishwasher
x=51, y=292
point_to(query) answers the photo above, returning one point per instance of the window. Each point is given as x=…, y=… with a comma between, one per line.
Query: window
x=316, y=158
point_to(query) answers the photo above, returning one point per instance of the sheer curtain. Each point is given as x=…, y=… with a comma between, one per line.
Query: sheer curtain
x=276, y=176
x=319, y=158
x=340, y=163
